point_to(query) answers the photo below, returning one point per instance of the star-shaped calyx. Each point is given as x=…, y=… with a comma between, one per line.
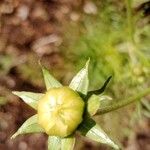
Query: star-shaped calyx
x=61, y=111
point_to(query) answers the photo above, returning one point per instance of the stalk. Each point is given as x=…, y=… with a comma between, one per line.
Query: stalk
x=130, y=21
x=130, y=27
x=123, y=103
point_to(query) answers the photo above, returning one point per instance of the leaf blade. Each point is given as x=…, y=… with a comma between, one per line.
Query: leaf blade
x=54, y=143
x=93, y=131
x=49, y=80
x=29, y=98
x=80, y=82
x=29, y=126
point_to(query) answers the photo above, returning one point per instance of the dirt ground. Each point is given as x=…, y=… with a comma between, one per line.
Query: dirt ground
x=31, y=29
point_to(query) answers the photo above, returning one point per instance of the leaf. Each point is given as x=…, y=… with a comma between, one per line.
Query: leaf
x=68, y=143
x=80, y=82
x=29, y=97
x=99, y=91
x=54, y=143
x=95, y=102
x=93, y=131
x=49, y=80
x=29, y=126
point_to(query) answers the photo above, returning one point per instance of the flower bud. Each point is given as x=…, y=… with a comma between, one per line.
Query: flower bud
x=60, y=111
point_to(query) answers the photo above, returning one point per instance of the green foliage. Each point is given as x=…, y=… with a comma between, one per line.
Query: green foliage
x=115, y=48
x=117, y=41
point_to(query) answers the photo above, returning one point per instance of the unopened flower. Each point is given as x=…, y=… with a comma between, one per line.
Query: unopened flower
x=62, y=110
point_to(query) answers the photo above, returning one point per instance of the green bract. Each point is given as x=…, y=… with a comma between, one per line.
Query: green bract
x=61, y=111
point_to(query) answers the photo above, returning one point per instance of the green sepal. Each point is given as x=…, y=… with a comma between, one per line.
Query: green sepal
x=54, y=143
x=29, y=98
x=49, y=80
x=57, y=143
x=68, y=143
x=93, y=131
x=29, y=126
x=95, y=102
x=80, y=82
x=99, y=91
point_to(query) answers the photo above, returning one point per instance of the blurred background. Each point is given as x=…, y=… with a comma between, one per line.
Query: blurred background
x=63, y=34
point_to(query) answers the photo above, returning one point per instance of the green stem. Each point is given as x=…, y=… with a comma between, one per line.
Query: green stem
x=131, y=30
x=130, y=20
x=123, y=103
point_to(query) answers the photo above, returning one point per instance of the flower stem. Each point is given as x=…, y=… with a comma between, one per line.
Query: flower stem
x=130, y=20
x=123, y=103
